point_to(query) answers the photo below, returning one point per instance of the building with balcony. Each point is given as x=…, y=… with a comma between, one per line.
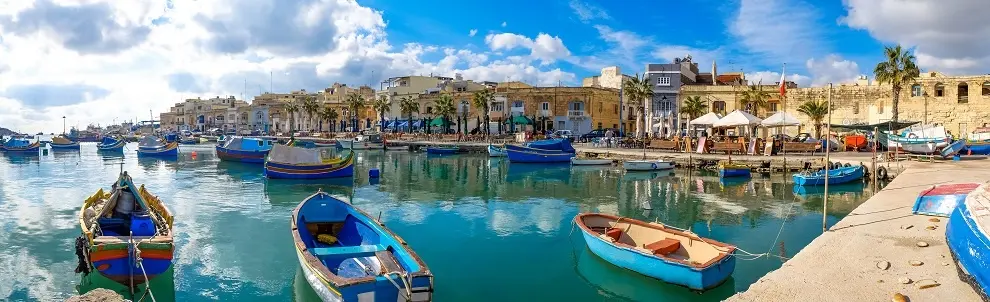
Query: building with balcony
x=202, y=114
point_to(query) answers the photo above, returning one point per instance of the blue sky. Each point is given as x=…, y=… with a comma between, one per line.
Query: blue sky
x=99, y=60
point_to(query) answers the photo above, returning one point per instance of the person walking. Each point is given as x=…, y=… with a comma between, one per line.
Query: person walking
x=608, y=138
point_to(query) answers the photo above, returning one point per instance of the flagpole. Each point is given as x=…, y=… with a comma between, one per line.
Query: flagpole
x=828, y=146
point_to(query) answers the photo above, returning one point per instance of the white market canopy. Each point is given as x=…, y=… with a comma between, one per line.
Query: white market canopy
x=705, y=120
x=737, y=118
x=781, y=119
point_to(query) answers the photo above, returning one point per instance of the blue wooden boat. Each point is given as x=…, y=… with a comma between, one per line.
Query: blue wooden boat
x=187, y=140
x=301, y=163
x=494, y=151
x=979, y=147
x=953, y=148
x=152, y=146
x=941, y=200
x=245, y=149
x=545, y=151
x=443, y=150
x=21, y=146
x=835, y=176
x=62, y=143
x=968, y=241
x=346, y=255
x=111, y=144
x=659, y=251
x=733, y=170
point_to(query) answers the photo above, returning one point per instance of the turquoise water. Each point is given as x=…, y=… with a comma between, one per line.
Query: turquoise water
x=489, y=230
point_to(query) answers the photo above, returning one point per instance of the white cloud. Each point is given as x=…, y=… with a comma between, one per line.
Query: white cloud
x=948, y=35
x=472, y=32
x=120, y=59
x=701, y=56
x=777, y=31
x=773, y=77
x=545, y=48
x=504, y=24
x=587, y=12
x=832, y=69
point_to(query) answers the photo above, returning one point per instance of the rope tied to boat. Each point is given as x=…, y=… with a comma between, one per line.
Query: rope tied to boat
x=140, y=264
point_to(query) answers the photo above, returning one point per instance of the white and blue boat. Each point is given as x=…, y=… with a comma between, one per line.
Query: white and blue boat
x=111, y=144
x=966, y=234
x=941, y=200
x=978, y=142
x=835, y=176
x=953, y=148
x=494, y=151
x=728, y=169
x=658, y=251
x=152, y=146
x=245, y=149
x=920, y=140
x=63, y=143
x=346, y=255
x=16, y=145
x=544, y=151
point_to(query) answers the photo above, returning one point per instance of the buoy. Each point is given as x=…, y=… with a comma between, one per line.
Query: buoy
x=194, y=154
x=374, y=173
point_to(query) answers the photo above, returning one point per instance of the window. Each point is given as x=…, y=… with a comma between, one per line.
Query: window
x=855, y=107
x=663, y=81
x=517, y=104
x=599, y=125
x=939, y=90
x=880, y=108
x=986, y=89
x=718, y=106
x=429, y=110
x=545, y=106
x=916, y=90
x=577, y=106
x=498, y=106
x=615, y=126
x=615, y=109
x=773, y=107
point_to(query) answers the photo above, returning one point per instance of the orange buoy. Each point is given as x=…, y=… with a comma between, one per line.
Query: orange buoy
x=194, y=154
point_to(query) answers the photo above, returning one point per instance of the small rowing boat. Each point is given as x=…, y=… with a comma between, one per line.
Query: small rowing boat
x=494, y=151
x=966, y=235
x=729, y=169
x=111, y=144
x=152, y=146
x=659, y=251
x=835, y=176
x=647, y=165
x=442, y=150
x=366, y=141
x=62, y=143
x=591, y=161
x=346, y=255
x=244, y=149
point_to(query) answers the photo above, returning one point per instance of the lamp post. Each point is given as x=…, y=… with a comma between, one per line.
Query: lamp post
x=63, y=125
x=925, y=94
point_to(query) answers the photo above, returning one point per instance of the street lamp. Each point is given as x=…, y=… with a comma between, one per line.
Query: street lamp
x=925, y=94
x=63, y=125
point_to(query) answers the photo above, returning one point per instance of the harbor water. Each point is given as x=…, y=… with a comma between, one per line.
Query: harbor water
x=489, y=230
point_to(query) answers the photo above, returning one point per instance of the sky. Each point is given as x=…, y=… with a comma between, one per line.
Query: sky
x=99, y=61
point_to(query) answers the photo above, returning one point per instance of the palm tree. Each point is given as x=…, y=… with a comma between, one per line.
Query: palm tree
x=408, y=105
x=329, y=115
x=354, y=103
x=755, y=96
x=897, y=70
x=639, y=90
x=694, y=107
x=381, y=105
x=482, y=100
x=445, y=108
x=291, y=108
x=816, y=111
x=311, y=107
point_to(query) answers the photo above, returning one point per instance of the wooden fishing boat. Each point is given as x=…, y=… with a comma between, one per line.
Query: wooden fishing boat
x=942, y=199
x=62, y=143
x=647, y=165
x=855, y=142
x=953, y=148
x=153, y=146
x=126, y=244
x=301, y=163
x=925, y=141
x=245, y=149
x=442, y=150
x=187, y=140
x=367, y=141
x=659, y=251
x=544, y=151
x=968, y=239
x=23, y=146
x=111, y=144
x=729, y=169
x=494, y=151
x=346, y=255
x=591, y=161
x=835, y=176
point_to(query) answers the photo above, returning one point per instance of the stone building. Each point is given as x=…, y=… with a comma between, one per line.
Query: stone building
x=204, y=114
x=412, y=87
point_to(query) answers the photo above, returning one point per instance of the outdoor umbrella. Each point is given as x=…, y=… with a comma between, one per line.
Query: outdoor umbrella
x=780, y=119
x=737, y=118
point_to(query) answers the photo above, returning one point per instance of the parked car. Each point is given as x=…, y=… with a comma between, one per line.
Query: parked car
x=565, y=134
x=599, y=133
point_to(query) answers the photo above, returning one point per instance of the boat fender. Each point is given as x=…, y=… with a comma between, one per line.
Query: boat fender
x=847, y=165
x=882, y=173
x=912, y=135
x=654, y=166
x=82, y=247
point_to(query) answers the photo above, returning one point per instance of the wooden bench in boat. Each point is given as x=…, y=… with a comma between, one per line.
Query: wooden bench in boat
x=123, y=239
x=347, y=250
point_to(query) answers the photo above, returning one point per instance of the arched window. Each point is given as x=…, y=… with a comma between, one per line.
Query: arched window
x=939, y=90
x=962, y=93
x=986, y=89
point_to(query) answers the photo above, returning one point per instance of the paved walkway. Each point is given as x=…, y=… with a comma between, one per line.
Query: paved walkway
x=841, y=265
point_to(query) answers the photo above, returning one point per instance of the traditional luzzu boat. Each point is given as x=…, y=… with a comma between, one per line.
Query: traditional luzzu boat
x=730, y=169
x=659, y=251
x=835, y=176
x=924, y=140
x=968, y=236
x=494, y=151
x=346, y=255
x=301, y=163
x=941, y=200
x=126, y=244
x=63, y=143
x=152, y=146
x=978, y=142
x=111, y=144
x=245, y=149
x=21, y=146
x=443, y=150
x=647, y=165
x=544, y=151
x=188, y=140
x=365, y=141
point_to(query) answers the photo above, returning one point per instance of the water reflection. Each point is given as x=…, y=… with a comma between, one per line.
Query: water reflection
x=618, y=283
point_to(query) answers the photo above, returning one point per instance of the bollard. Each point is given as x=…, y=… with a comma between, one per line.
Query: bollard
x=374, y=173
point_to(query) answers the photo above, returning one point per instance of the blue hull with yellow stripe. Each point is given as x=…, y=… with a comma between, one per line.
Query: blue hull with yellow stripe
x=344, y=168
x=241, y=155
x=346, y=255
x=171, y=150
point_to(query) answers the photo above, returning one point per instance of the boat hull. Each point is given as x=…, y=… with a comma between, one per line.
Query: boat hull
x=977, y=147
x=72, y=146
x=434, y=150
x=496, y=151
x=590, y=162
x=953, y=148
x=170, y=150
x=836, y=176
x=290, y=171
x=348, y=144
x=942, y=200
x=647, y=165
x=162, y=285
x=30, y=149
x=118, y=147
x=517, y=154
x=733, y=172
x=241, y=156
x=969, y=243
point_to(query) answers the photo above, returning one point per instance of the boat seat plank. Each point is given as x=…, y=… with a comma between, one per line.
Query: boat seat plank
x=388, y=262
x=346, y=250
x=663, y=247
x=123, y=239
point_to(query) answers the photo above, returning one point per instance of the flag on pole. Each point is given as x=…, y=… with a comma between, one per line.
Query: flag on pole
x=783, y=84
